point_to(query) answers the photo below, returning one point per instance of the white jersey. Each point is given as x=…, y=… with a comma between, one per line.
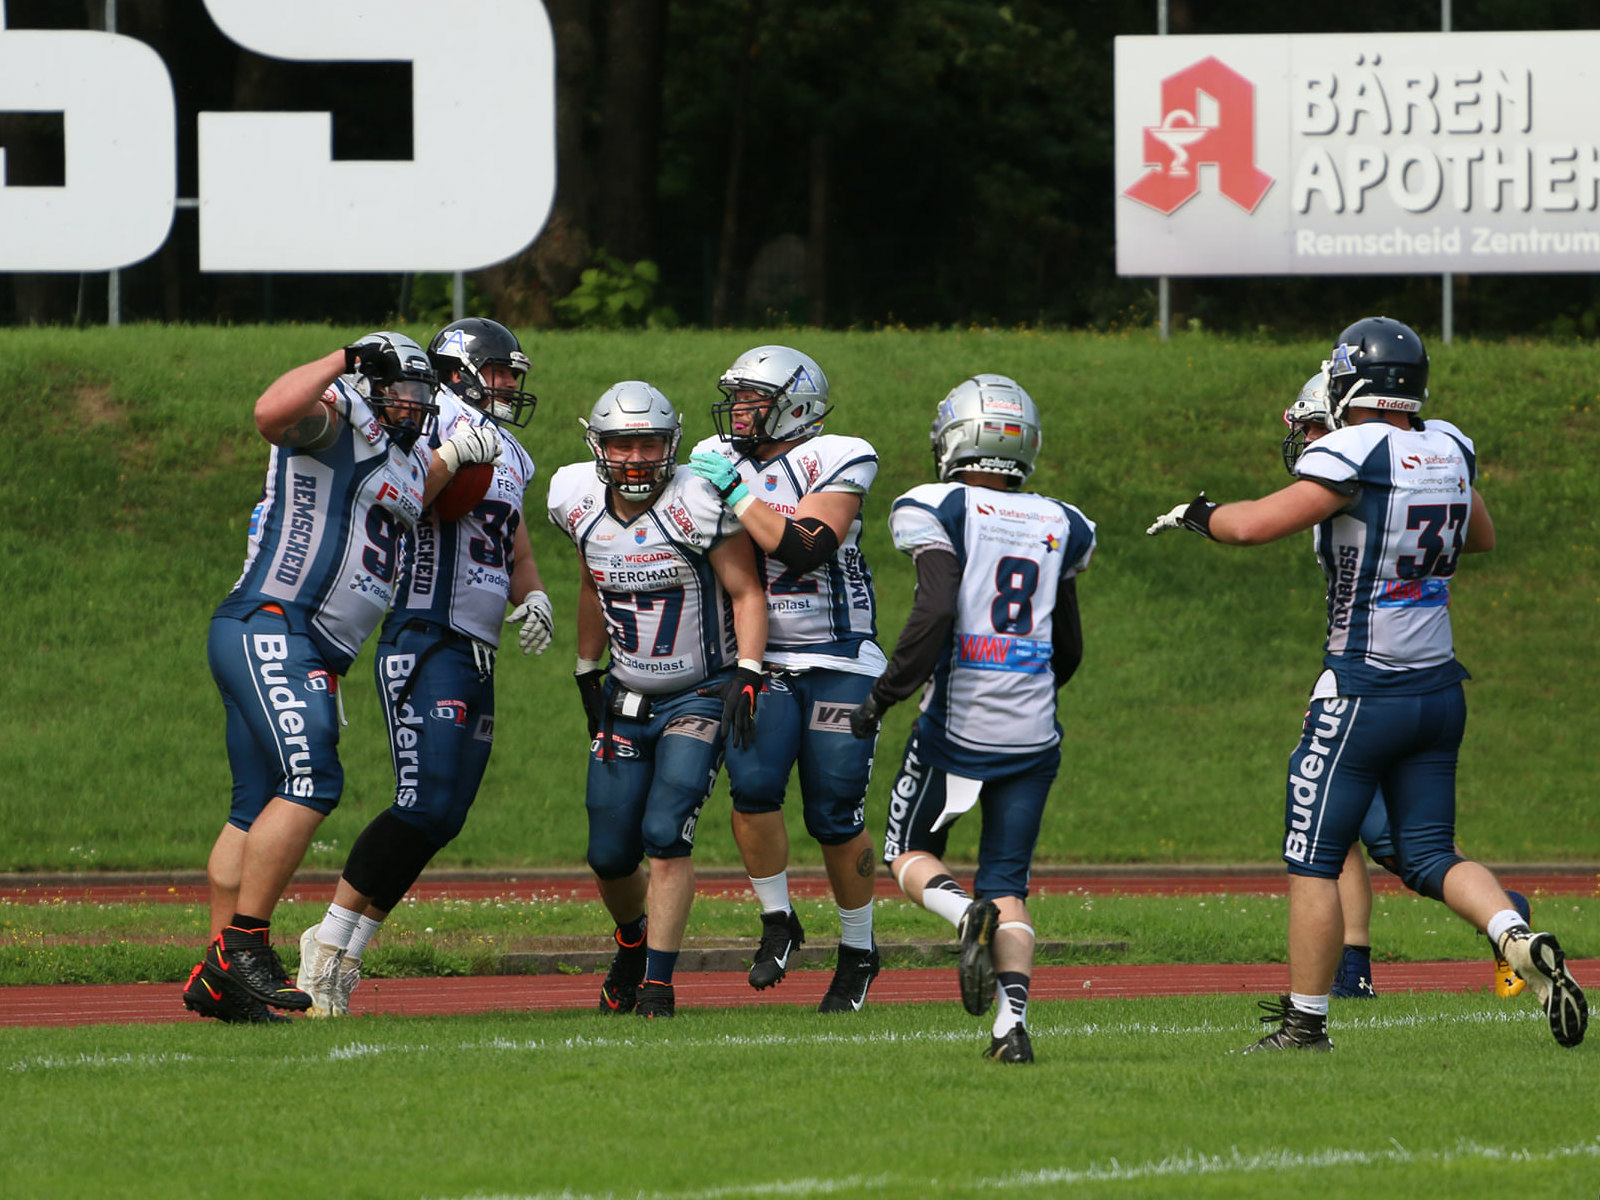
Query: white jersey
x=324, y=541
x=1389, y=556
x=826, y=617
x=993, y=691
x=669, y=621
x=458, y=573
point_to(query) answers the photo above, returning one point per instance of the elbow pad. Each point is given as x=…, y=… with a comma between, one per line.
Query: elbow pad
x=806, y=544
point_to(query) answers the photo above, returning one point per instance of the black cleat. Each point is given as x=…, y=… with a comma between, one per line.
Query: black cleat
x=780, y=936
x=976, y=971
x=1538, y=958
x=1296, y=1030
x=224, y=1003
x=656, y=1000
x=851, y=978
x=620, y=991
x=1013, y=1048
x=248, y=963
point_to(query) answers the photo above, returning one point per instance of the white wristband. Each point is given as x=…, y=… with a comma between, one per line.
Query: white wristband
x=585, y=665
x=744, y=502
x=750, y=664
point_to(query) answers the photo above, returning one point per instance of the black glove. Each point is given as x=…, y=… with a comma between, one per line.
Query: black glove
x=739, y=706
x=864, y=718
x=372, y=359
x=591, y=690
x=1194, y=516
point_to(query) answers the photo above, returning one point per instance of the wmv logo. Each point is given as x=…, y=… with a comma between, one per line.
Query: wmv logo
x=1207, y=119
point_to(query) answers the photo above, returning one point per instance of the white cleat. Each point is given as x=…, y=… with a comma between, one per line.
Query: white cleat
x=319, y=976
x=1538, y=959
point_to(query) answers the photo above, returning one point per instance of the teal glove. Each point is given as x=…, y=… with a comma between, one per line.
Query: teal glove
x=720, y=474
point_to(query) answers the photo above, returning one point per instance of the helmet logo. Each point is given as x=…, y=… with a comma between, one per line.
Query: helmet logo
x=802, y=384
x=1208, y=117
x=1340, y=363
x=455, y=344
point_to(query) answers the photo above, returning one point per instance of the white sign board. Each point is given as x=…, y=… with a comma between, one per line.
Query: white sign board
x=477, y=190
x=1358, y=154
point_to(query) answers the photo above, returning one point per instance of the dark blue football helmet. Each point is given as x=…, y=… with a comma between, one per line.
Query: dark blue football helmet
x=1376, y=363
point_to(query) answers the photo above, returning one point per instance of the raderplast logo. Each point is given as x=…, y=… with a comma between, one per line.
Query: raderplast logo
x=1207, y=119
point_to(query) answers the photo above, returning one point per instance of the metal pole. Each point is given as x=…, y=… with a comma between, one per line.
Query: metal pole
x=1447, y=282
x=1163, y=285
x=459, y=296
x=114, y=279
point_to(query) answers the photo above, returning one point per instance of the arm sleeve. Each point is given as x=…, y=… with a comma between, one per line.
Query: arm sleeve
x=806, y=544
x=1067, y=633
x=927, y=629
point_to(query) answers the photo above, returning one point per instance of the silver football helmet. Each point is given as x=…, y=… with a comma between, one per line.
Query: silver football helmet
x=1310, y=407
x=986, y=423
x=796, y=385
x=633, y=409
x=397, y=380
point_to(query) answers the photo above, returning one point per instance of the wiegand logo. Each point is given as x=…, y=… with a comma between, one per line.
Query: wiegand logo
x=1207, y=119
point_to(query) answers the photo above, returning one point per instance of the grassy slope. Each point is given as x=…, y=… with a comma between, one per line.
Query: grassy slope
x=133, y=464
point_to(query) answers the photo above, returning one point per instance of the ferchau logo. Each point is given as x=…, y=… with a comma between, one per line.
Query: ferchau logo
x=1207, y=118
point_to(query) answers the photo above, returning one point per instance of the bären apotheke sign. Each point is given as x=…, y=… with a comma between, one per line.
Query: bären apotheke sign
x=1353, y=154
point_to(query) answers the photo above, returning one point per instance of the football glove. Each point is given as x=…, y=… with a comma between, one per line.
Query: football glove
x=739, y=707
x=538, y=622
x=369, y=358
x=720, y=474
x=865, y=718
x=470, y=444
x=591, y=690
x=1195, y=516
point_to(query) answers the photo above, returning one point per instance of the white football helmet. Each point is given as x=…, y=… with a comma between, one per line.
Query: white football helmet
x=633, y=408
x=794, y=382
x=987, y=423
x=1310, y=407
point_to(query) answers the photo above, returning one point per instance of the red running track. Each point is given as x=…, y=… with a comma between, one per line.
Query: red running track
x=91, y=1004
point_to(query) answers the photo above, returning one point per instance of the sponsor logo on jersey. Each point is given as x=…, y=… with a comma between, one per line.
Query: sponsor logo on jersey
x=321, y=681
x=1344, y=586
x=830, y=718
x=1411, y=462
x=373, y=432
x=640, y=534
x=652, y=556
x=453, y=711
x=485, y=730
x=1305, y=775
x=403, y=737
x=425, y=561
x=907, y=786
x=811, y=467
x=771, y=482
x=269, y=652
x=680, y=517
x=997, y=652
x=691, y=725
x=985, y=510
x=1050, y=543
x=1413, y=593
x=621, y=747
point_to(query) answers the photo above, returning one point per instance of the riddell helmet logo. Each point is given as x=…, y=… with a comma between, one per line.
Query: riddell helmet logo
x=1207, y=118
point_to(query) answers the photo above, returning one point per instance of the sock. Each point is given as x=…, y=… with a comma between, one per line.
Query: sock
x=1012, y=1009
x=248, y=930
x=943, y=897
x=1503, y=922
x=337, y=926
x=773, y=892
x=855, y=927
x=365, y=928
x=658, y=965
x=1317, y=1006
x=631, y=934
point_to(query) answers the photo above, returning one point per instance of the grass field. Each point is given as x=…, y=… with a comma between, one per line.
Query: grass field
x=134, y=465
x=1425, y=1096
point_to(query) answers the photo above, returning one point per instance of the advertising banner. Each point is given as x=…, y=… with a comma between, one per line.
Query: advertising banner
x=1358, y=154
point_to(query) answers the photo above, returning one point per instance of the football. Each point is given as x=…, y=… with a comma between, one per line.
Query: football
x=462, y=494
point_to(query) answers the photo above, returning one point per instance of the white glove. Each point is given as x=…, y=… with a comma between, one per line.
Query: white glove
x=538, y=622
x=1194, y=515
x=470, y=444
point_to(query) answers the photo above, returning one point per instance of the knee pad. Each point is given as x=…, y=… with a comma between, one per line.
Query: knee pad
x=387, y=858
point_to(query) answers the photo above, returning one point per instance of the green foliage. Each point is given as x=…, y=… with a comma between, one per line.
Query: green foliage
x=1127, y=1098
x=613, y=295
x=433, y=300
x=125, y=526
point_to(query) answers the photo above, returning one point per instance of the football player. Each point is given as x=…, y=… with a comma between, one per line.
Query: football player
x=1307, y=419
x=350, y=471
x=464, y=561
x=994, y=632
x=669, y=590
x=798, y=492
x=1394, y=507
